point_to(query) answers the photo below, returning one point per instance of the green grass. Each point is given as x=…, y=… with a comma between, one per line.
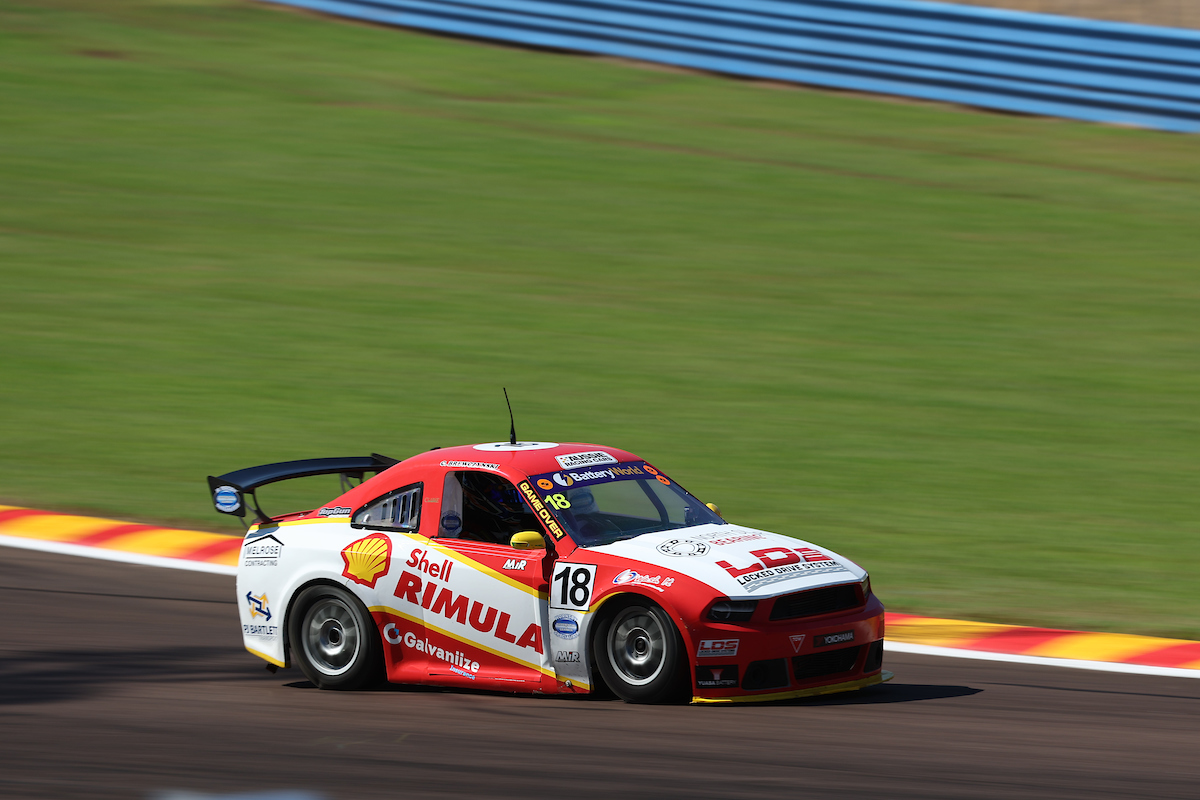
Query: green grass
x=960, y=348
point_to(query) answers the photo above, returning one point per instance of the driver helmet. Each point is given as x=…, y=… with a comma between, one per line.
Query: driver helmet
x=582, y=501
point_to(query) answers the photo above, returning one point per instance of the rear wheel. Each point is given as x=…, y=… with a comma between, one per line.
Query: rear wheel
x=334, y=640
x=639, y=654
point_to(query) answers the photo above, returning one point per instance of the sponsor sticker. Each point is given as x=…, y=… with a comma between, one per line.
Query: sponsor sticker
x=777, y=564
x=368, y=559
x=470, y=465
x=451, y=522
x=827, y=639
x=635, y=578
x=710, y=648
x=565, y=626
x=458, y=662
x=227, y=499
x=545, y=484
x=797, y=641
x=334, y=511
x=436, y=599
x=419, y=559
x=263, y=631
x=263, y=551
x=722, y=539
x=717, y=677
x=515, y=563
x=576, y=460
x=259, y=606
x=540, y=509
x=566, y=656
x=683, y=547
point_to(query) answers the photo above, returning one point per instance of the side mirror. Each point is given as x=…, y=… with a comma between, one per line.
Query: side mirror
x=713, y=508
x=527, y=540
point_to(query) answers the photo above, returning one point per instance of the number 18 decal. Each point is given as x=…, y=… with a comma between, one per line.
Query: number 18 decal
x=572, y=586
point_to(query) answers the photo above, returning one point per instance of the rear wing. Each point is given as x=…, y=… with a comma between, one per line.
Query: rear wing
x=229, y=491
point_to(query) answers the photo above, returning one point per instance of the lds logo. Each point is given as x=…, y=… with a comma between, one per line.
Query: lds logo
x=514, y=563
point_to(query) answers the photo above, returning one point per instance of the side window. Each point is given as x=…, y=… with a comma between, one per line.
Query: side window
x=482, y=507
x=398, y=510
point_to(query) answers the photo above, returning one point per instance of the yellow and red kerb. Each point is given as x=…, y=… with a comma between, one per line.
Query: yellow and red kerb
x=107, y=534
x=1120, y=648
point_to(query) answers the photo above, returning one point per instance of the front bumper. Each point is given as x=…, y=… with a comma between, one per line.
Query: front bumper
x=766, y=660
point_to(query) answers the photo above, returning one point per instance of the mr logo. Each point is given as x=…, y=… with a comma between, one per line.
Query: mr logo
x=567, y=656
x=514, y=563
x=258, y=606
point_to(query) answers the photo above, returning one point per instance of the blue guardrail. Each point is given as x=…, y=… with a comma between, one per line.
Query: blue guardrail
x=993, y=58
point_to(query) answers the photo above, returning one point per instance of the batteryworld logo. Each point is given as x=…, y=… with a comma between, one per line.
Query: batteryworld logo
x=258, y=606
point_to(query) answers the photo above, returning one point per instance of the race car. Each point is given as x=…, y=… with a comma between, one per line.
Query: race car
x=543, y=568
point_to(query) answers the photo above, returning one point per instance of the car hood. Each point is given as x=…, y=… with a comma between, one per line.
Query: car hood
x=739, y=562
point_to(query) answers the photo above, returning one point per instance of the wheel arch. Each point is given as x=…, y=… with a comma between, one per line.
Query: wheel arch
x=297, y=591
x=609, y=605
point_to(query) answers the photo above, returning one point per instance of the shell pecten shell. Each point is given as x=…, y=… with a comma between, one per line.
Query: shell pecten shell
x=368, y=559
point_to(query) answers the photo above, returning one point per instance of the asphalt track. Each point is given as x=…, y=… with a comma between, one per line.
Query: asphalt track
x=122, y=681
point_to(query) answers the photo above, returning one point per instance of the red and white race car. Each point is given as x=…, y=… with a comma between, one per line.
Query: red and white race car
x=543, y=568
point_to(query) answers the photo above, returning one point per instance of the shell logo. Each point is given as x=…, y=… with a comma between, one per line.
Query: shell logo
x=368, y=559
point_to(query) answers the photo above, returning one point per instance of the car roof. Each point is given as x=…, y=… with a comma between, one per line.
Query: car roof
x=524, y=458
x=514, y=462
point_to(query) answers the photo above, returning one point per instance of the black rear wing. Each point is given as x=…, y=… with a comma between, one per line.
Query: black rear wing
x=228, y=491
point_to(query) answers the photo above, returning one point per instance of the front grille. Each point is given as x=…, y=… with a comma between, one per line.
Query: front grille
x=817, y=601
x=766, y=674
x=818, y=665
x=874, y=657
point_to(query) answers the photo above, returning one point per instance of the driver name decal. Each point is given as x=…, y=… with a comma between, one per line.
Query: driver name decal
x=540, y=509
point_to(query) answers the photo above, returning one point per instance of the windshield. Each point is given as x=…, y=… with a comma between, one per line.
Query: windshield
x=600, y=505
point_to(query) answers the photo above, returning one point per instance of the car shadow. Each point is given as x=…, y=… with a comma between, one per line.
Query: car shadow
x=49, y=676
x=874, y=695
x=887, y=693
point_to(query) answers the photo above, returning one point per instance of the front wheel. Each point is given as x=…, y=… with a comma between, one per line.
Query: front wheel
x=639, y=654
x=333, y=639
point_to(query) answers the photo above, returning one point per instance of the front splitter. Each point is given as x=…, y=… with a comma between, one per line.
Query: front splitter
x=833, y=688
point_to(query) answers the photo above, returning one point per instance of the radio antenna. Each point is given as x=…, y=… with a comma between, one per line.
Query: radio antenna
x=512, y=431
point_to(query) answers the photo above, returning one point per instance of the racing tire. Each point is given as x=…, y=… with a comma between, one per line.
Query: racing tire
x=334, y=641
x=639, y=654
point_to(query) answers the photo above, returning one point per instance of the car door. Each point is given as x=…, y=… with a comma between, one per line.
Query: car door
x=483, y=602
